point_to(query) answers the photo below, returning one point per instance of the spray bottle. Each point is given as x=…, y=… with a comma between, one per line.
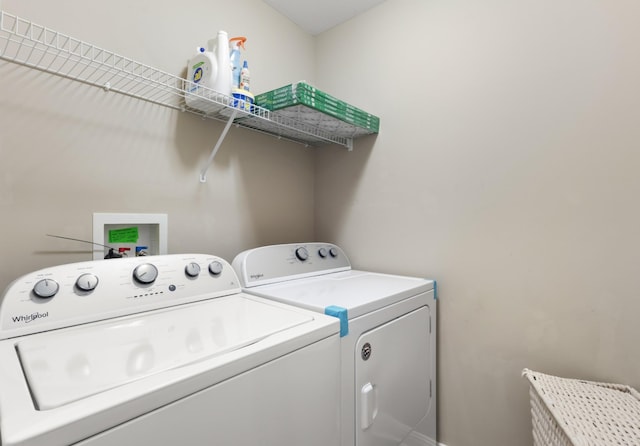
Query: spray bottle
x=236, y=44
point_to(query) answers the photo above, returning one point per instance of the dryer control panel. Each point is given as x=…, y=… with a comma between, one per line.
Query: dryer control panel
x=77, y=293
x=277, y=263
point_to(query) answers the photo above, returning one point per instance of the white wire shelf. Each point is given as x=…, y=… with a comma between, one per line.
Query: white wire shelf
x=38, y=47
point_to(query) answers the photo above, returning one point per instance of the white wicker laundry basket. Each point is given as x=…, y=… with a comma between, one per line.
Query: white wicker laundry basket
x=571, y=412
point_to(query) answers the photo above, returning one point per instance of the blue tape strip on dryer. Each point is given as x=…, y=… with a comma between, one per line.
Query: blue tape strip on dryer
x=340, y=313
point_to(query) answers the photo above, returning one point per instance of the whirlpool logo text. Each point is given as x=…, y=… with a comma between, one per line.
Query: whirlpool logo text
x=29, y=317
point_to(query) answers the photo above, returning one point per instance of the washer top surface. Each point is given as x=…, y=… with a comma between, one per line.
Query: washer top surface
x=69, y=365
x=318, y=275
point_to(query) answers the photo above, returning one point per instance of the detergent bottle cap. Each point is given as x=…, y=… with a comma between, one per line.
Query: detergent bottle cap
x=238, y=41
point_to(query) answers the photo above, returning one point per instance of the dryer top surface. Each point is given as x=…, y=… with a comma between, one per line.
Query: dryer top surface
x=359, y=292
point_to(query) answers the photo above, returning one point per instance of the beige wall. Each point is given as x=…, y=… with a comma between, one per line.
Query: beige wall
x=68, y=150
x=506, y=168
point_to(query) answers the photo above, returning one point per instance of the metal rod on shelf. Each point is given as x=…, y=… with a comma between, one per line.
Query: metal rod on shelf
x=203, y=174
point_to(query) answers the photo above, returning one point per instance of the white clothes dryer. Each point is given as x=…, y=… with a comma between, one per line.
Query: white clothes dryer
x=388, y=336
x=162, y=350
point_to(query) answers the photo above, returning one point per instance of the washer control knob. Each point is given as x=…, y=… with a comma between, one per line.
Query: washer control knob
x=87, y=282
x=46, y=288
x=333, y=252
x=145, y=273
x=302, y=254
x=322, y=252
x=215, y=268
x=192, y=269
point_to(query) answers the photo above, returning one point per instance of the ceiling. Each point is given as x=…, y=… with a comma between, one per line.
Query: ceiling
x=316, y=16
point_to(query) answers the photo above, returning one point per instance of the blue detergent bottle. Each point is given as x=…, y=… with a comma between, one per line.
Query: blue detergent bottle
x=235, y=56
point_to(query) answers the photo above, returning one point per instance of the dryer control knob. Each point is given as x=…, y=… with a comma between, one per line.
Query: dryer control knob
x=215, y=268
x=87, y=282
x=333, y=252
x=145, y=273
x=46, y=288
x=192, y=269
x=302, y=254
x=322, y=252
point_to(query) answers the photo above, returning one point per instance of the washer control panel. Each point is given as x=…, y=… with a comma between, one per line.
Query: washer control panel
x=275, y=263
x=77, y=293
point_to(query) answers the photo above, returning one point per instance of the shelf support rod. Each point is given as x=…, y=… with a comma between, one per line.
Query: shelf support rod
x=203, y=173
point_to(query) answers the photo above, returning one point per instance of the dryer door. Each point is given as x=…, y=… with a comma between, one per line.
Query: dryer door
x=392, y=379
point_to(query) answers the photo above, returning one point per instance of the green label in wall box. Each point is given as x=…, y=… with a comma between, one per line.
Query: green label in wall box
x=124, y=235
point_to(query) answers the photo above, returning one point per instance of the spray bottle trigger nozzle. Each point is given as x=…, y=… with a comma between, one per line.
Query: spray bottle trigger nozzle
x=241, y=40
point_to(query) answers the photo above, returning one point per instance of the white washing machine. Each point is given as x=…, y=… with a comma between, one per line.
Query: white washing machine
x=388, y=336
x=162, y=350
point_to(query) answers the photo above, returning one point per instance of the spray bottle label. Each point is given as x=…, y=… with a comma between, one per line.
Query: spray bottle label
x=244, y=77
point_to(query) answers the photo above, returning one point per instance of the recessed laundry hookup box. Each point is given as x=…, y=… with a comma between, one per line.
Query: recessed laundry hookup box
x=129, y=234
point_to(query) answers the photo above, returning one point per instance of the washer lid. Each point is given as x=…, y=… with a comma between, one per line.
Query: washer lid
x=69, y=365
x=360, y=292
